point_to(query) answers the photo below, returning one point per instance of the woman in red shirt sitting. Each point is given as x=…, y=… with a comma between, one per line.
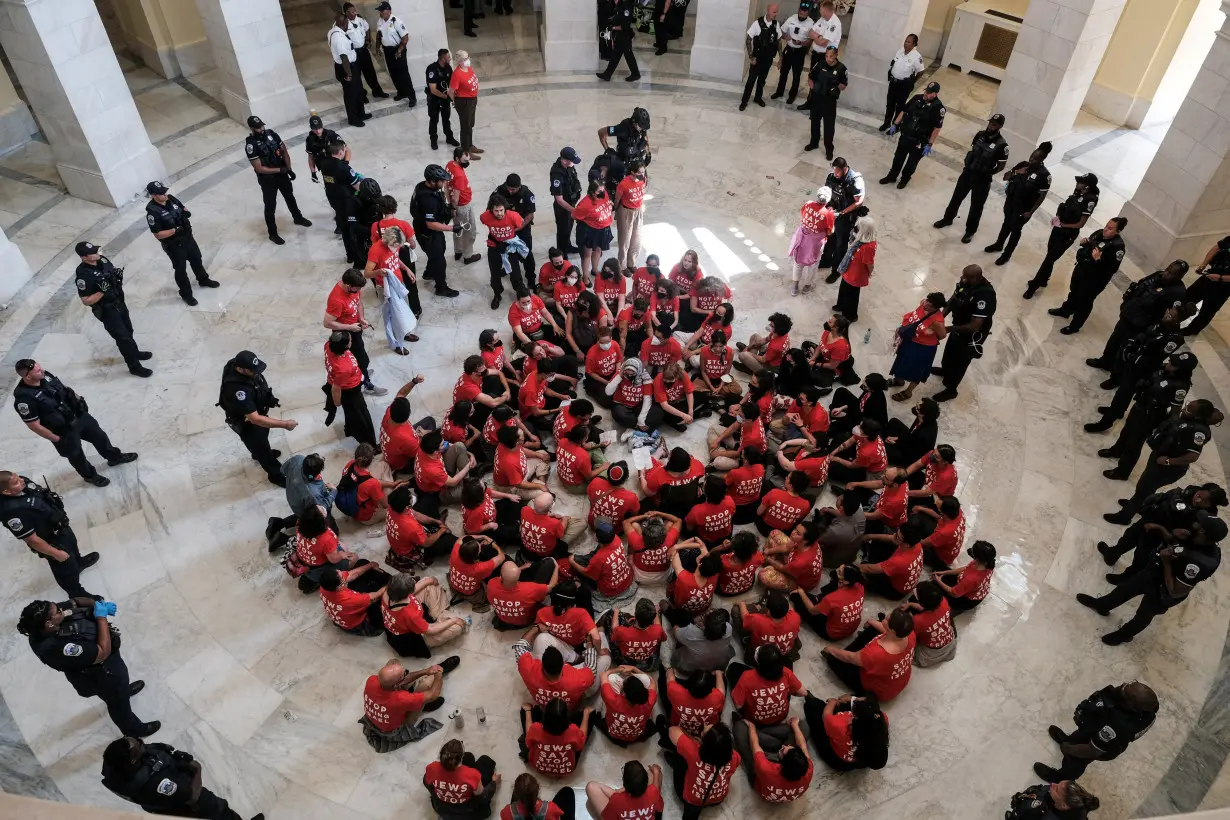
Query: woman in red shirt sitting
x=631, y=393
x=633, y=324
x=461, y=787
x=712, y=363
x=690, y=590
x=650, y=537
x=684, y=275
x=892, y=507
x=553, y=746
x=712, y=520
x=973, y=581
x=639, y=799
x=937, y=637
x=880, y=659
x=741, y=559
x=611, y=286
x=784, y=779
x=673, y=393
x=526, y=804
x=629, y=696
x=934, y=474
x=458, y=429
x=849, y=732
x=636, y=640
x=693, y=702
x=594, y=214
x=707, y=298
x=502, y=225
x=795, y=560
x=838, y=610
x=894, y=569
x=870, y=458
x=784, y=509
x=720, y=317
x=856, y=268
x=831, y=359
x=746, y=483
x=475, y=561
x=762, y=692
x=664, y=304
x=765, y=353
x=703, y=770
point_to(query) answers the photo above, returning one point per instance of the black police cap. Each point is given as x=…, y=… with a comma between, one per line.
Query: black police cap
x=86, y=248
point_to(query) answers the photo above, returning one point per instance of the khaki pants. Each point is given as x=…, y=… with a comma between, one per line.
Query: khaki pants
x=755, y=345
x=535, y=470
x=455, y=457
x=435, y=600
x=577, y=526
x=628, y=225
x=803, y=273
x=721, y=463
x=463, y=243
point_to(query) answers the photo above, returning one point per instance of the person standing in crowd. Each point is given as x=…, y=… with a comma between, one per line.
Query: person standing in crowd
x=522, y=201
x=54, y=411
x=246, y=399
x=920, y=123
x=168, y=222
x=1106, y=724
x=270, y=159
x=594, y=215
x=826, y=80
x=463, y=91
x=341, y=184
x=439, y=100
x=857, y=268
x=35, y=515
x=1097, y=260
x=343, y=388
x=796, y=37
x=432, y=218
x=1145, y=303
x=565, y=193
x=344, y=314
x=1028, y=183
x=848, y=192
x=75, y=637
x=1066, y=226
x=394, y=37
x=460, y=195
x=917, y=339
x=669, y=16
x=623, y=29
x=407, y=274
x=816, y=223
x=906, y=64
x=825, y=32
x=346, y=70
x=316, y=145
x=762, y=48
x=630, y=214
x=161, y=780
x=971, y=309
x=1212, y=287
x=502, y=223
x=987, y=156
x=100, y=287
x=357, y=30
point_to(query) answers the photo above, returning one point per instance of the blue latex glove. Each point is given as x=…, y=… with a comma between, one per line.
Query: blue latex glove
x=892, y=129
x=103, y=609
x=927, y=150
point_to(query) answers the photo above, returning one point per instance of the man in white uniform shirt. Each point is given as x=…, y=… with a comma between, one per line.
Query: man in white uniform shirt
x=394, y=36
x=824, y=32
x=796, y=36
x=357, y=29
x=346, y=70
x=907, y=65
x=763, y=41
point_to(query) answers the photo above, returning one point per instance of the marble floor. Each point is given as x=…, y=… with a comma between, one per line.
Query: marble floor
x=246, y=673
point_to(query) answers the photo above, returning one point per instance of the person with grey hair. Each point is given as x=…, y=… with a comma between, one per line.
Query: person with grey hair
x=816, y=222
x=416, y=616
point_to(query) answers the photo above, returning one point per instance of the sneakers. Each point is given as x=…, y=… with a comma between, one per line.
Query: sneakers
x=372, y=390
x=98, y=480
x=794, y=289
x=451, y=662
x=303, y=220
x=122, y=458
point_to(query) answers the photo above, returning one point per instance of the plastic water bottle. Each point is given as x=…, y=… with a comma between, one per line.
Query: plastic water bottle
x=867, y=336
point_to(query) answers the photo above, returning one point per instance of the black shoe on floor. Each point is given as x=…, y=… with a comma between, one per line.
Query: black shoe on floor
x=88, y=560
x=135, y=688
x=631, y=78
x=828, y=154
x=1098, y=363
x=759, y=102
x=1047, y=773
x=189, y=299
x=941, y=223
x=884, y=128
x=1069, y=330
x=1115, y=475
x=902, y=184
x=367, y=117
x=1058, y=735
x=743, y=106
x=495, y=303
x=470, y=260
x=447, y=292
x=451, y=140
x=832, y=277
x=98, y=480
x=143, y=372
x=1108, y=452
x=433, y=705
x=887, y=180
x=144, y=355
x=810, y=147
x=277, y=479
x=1003, y=259
x=278, y=542
x=1099, y=426
x=1060, y=312
x=380, y=95
x=457, y=257
x=303, y=221
x=1084, y=599
x=450, y=663
x=272, y=528
x=277, y=240
x=1114, y=639
x=945, y=395
x=1117, y=518
x=994, y=247
x=776, y=96
x=659, y=51
x=210, y=283
x=603, y=77
x=1115, y=577
x=1107, y=556
x=150, y=728
x=435, y=145
x=1109, y=384
x=122, y=458
x=967, y=238
x=1029, y=292
x=399, y=97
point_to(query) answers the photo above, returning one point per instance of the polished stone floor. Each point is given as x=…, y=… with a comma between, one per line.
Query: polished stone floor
x=246, y=673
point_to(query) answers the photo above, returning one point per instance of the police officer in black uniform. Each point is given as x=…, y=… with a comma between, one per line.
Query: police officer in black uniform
x=432, y=217
x=341, y=186
x=74, y=637
x=247, y=398
x=565, y=194
x=987, y=156
x=1106, y=723
x=439, y=106
x=1212, y=287
x=34, y=514
x=168, y=222
x=520, y=199
x=848, y=191
x=631, y=142
x=100, y=287
x=623, y=29
x=920, y=123
x=1145, y=301
x=1167, y=580
x=1097, y=259
x=161, y=780
x=762, y=48
x=54, y=411
x=970, y=309
x=1028, y=183
x=1174, y=446
x=1141, y=356
x=270, y=159
x=1169, y=516
x=1154, y=399
x=826, y=80
x=1072, y=216
x=317, y=145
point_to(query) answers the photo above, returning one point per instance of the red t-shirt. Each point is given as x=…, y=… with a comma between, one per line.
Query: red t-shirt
x=312, y=551
x=530, y=320
x=776, y=350
x=783, y=510
x=570, y=687
x=625, y=316
x=934, y=629
x=941, y=480
x=636, y=644
x=453, y=432
x=816, y=420
x=743, y=483
x=391, y=222
x=658, y=477
x=885, y=675
x=870, y=454
x=551, y=811
x=468, y=388
x=430, y=475
x=609, y=291
x=709, y=302
x=737, y=578
x=623, y=806
x=572, y=463
x=761, y=630
x=715, y=365
x=713, y=522
x=610, y=569
x=643, y=283
x=540, y=532
x=816, y=469
x=548, y=274
x=464, y=82
x=516, y=606
x=660, y=355
x=596, y=212
x=806, y=566
x=384, y=258
x=774, y=788
x=658, y=305
x=571, y=627
x=858, y=272
x=835, y=348
x=398, y=443
x=604, y=363
x=501, y=230
x=974, y=583
x=764, y=702
x=510, y=466
x=925, y=332
x=630, y=192
x=701, y=778
x=460, y=181
x=904, y=567
x=817, y=218
x=564, y=294
x=630, y=394
x=406, y=535
x=838, y=727
x=404, y=618
x=608, y=501
x=685, y=279
x=624, y=721
x=491, y=427
x=948, y=538
x=342, y=371
x=345, y=607
x=466, y=579
x=673, y=393
x=893, y=502
x=751, y=433
x=652, y=560
x=843, y=609
x=343, y=306
x=691, y=714
x=454, y=787
x=554, y=755
x=388, y=709
x=691, y=595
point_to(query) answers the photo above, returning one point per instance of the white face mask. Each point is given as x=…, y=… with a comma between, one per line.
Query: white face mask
x=465, y=63
x=656, y=341
x=572, y=280
x=858, y=430
x=604, y=345
x=769, y=328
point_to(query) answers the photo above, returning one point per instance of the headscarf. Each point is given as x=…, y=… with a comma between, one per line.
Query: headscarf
x=641, y=376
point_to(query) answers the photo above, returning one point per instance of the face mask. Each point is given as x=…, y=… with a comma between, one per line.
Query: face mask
x=655, y=270
x=499, y=343
x=661, y=294
x=769, y=328
x=465, y=163
x=858, y=430
x=656, y=341
x=557, y=265
x=604, y=345
x=606, y=274
x=572, y=280
x=465, y=63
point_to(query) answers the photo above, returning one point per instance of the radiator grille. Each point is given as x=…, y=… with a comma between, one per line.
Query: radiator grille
x=995, y=46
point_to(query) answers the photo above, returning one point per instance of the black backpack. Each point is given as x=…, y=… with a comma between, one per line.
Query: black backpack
x=347, y=498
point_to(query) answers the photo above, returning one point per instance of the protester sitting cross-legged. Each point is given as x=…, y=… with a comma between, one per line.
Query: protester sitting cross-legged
x=476, y=559
x=461, y=787
x=849, y=732
x=395, y=697
x=416, y=616
x=629, y=696
x=415, y=540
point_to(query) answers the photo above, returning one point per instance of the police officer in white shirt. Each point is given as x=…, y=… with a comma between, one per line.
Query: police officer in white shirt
x=796, y=35
x=907, y=65
x=346, y=70
x=357, y=29
x=394, y=36
x=763, y=41
x=824, y=32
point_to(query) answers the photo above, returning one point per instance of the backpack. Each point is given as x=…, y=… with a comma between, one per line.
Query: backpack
x=347, y=498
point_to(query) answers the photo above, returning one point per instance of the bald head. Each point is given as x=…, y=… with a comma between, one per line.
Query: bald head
x=509, y=574
x=971, y=274
x=1140, y=697
x=391, y=674
x=542, y=503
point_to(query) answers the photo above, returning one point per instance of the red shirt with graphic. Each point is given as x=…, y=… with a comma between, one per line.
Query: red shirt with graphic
x=388, y=709
x=626, y=721
x=764, y=702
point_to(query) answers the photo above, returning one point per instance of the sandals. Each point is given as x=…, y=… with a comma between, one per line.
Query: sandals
x=903, y=395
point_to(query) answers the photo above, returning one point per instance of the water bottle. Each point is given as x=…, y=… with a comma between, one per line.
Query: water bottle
x=867, y=336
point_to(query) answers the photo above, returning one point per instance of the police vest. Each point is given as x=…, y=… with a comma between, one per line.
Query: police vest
x=46, y=506
x=266, y=147
x=232, y=380
x=157, y=762
x=984, y=154
x=764, y=44
x=57, y=406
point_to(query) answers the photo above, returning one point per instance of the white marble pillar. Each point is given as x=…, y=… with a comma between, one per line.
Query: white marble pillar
x=14, y=270
x=67, y=68
x=252, y=52
x=570, y=35
x=1057, y=54
x=721, y=30
x=877, y=30
x=1183, y=204
x=425, y=20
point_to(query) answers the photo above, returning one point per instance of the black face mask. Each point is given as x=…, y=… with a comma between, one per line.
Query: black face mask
x=606, y=274
x=559, y=266
x=655, y=270
x=661, y=294
x=499, y=343
x=465, y=164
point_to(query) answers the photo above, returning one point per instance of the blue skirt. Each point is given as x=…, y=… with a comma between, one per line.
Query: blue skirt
x=913, y=362
x=593, y=238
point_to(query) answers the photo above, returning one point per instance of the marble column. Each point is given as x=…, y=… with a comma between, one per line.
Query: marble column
x=67, y=68
x=255, y=64
x=1057, y=53
x=16, y=124
x=425, y=20
x=14, y=270
x=1183, y=204
x=721, y=30
x=877, y=30
x=570, y=35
